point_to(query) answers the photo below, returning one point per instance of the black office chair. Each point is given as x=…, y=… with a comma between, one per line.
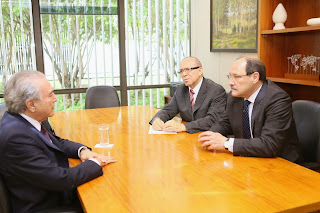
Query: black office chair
x=101, y=97
x=2, y=109
x=5, y=206
x=307, y=118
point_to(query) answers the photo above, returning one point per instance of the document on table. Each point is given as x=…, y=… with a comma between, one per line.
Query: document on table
x=152, y=131
x=103, y=146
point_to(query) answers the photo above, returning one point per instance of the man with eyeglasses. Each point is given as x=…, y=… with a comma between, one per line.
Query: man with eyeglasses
x=199, y=101
x=258, y=115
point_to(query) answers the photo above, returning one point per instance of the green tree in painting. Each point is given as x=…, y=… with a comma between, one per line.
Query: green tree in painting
x=240, y=31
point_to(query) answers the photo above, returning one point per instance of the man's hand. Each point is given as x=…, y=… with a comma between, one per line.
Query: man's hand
x=212, y=140
x=157, y=124
x=86, y=154
x=174, y=126
x=103, y=160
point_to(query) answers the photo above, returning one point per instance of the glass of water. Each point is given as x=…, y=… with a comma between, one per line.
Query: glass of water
x=104, y=135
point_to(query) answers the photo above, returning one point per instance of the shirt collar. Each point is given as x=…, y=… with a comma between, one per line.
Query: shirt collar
x=197, y=88
x=253, y=97
x=34, y=122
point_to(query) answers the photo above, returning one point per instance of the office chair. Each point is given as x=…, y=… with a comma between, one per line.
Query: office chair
x=101, y=97
x=5, y=206
x=2, y=109
x=307, y=118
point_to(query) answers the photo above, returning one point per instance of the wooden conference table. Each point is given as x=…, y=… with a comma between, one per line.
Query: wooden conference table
x=172, y=173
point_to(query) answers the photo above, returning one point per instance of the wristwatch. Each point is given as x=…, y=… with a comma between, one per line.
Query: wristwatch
x=83, y=148
x=226, y=144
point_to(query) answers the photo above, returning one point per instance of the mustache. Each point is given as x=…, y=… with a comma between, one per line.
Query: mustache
x=234, y=88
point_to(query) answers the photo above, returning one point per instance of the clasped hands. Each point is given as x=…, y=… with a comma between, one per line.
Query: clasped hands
x=103, y=160
x=212, y=140
x=170, y=125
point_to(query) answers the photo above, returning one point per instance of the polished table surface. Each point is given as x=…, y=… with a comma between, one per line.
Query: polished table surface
x=172, y=173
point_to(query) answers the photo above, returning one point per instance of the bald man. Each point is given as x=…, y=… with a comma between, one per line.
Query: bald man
x=199, y=101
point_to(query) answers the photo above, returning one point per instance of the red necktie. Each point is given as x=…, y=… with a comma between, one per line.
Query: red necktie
x=45, y=133
x=191, y=98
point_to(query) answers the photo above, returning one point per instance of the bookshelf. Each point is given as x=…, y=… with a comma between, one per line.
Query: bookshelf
x=275, y=46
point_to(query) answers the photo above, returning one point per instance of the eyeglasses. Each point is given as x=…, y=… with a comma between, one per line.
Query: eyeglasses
x=237, y=77
x=187, y=70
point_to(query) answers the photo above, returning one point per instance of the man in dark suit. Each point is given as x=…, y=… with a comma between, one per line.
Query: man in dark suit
x=199, y=101
x=258, y=115
x=33, y=160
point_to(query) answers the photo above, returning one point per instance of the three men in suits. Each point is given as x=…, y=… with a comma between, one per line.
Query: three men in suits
x=270, y=131
x=33, y=160
x=199, y=101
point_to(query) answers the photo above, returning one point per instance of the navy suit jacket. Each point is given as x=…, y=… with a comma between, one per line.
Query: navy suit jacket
x=210, y=103
x=273, y=127
x=37, y=171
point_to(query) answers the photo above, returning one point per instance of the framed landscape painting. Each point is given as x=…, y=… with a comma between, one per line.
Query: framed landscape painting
x=234, y=25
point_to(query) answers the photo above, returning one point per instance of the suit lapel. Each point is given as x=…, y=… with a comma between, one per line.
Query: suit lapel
x=257, y=105
x=200, y=96
x=32, y=128
x=187, y=100
x=45, y=140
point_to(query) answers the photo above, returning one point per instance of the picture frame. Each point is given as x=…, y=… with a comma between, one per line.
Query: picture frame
x=233, y=25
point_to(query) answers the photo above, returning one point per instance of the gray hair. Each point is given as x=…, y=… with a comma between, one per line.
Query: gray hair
x=19, y=89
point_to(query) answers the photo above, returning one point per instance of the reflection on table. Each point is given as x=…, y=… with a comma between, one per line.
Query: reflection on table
x=173, y=173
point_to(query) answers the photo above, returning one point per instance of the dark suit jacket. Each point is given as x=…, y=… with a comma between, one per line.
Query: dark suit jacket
x=37, y=171
x=273, y=127
x=210, y=103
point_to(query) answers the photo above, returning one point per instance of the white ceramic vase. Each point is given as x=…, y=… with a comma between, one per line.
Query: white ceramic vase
x=279, y=17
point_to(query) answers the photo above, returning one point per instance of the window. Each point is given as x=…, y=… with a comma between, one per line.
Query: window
x=81, y=46
x=17, y=48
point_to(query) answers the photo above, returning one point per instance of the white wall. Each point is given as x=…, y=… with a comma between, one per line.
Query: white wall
x=216, y=65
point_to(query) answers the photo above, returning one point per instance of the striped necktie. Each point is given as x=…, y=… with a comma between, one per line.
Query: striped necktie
x=191, y=98
x=245, y=120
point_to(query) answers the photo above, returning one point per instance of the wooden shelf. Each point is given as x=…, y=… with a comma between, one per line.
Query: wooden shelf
x=291, y=30
x=295, y=81
x=275, y=46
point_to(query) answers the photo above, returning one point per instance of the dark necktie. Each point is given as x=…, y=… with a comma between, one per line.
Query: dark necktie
x=191, y=98
x=245, y=120
x=45, y=133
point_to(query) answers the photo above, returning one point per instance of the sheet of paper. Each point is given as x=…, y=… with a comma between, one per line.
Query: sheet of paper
x=100, y=146
x=152, y=131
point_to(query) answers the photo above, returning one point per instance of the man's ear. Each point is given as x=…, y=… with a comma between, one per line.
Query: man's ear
x=256, y=77
x=200, y=71
x=30, y=105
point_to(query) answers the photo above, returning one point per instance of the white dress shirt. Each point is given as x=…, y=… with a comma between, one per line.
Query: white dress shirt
x=196, y=91
x=252, y=99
